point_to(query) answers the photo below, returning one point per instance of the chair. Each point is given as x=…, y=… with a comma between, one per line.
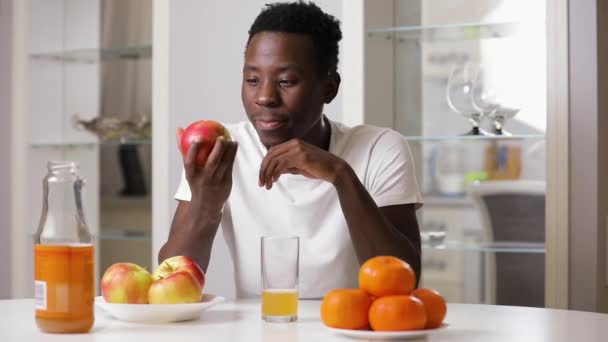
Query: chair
x=512, y=211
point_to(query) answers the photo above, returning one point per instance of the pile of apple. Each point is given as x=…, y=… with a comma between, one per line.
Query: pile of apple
x=177, y=280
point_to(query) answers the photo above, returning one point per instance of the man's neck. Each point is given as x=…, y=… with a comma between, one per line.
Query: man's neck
x=320, y=134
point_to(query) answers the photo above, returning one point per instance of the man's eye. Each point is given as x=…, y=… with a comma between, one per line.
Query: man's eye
x=251, y=81
x=287, y=82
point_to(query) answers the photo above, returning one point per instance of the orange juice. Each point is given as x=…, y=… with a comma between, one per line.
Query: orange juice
x=280, y=302
x=65, y=289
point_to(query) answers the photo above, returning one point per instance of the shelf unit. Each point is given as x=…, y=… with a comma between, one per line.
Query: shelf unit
x=514, y=137
x=59, y=59
x=408, y=49
x=447, y=32
x=95, y=55
x=87, y=144
x=486, y=247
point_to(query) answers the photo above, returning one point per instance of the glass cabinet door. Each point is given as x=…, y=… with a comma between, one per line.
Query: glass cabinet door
x=87, y=98
x=465, y=83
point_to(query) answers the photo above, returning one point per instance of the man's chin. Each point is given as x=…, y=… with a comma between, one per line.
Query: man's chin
x=270, y=141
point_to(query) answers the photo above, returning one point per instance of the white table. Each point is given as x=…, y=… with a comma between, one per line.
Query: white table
x=240, y=321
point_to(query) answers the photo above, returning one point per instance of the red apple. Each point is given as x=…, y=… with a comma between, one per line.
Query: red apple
x=126, y=283
x=180, y=263
x=206, y=132
x=177, y=288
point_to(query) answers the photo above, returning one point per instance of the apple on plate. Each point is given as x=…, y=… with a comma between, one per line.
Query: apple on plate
x=177, y=280
x=126, y=283
x=179, y=263
x=206, y=132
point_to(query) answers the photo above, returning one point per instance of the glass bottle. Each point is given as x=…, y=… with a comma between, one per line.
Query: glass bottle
x=63, y=255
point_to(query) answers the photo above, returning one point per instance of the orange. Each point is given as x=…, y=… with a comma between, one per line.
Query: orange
x=397, y=313
x=434, y=305
x=386, y=276
x=346, y=309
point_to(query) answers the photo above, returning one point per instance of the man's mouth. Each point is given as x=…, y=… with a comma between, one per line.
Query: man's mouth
x=270, y=124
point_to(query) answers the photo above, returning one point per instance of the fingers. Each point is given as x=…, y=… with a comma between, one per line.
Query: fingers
x=215, y=157
x=218, y=163
x=190, y=159
x=273, y=152
x=224, y=170
x=178, y=135
x=269, y=163
x=273, y=171
x=231, y=164
x=283, y=163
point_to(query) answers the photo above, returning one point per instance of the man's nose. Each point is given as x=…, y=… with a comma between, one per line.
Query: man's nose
x=267, y=95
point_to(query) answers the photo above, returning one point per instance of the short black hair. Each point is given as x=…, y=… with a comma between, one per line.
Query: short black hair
x=303, y=18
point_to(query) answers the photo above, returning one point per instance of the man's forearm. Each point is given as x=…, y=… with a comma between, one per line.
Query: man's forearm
x=192, y=235
x=371, y=232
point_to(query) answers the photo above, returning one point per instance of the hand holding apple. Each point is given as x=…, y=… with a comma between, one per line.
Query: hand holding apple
x=205, y=132
x=208, y=156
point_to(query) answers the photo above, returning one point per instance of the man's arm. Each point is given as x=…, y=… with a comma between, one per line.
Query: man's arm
x=391, y=230
x=195, y=222
x=190, y=235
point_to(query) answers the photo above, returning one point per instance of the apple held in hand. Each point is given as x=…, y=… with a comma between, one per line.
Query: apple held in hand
x=206, y=132
x=126, y=283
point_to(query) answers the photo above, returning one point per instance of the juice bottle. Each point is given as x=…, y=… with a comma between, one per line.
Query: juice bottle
x=63, y=255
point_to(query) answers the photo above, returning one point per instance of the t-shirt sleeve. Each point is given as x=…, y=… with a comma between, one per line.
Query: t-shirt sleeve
x=183, y=190
x=391, y=175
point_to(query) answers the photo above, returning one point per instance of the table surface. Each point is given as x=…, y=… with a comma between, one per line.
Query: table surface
x=241, y=321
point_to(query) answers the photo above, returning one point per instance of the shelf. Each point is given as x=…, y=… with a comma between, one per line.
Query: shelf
x=434, y=199
x=122, y=235
x=460, y=31
x=480, y=246
x=475, y=137
x=87, y=144
x=94, y=55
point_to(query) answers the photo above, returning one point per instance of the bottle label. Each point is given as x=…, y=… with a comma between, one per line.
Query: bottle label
x=40, y=294
x=64, y=280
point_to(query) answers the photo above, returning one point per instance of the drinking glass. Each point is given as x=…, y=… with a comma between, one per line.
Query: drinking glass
x=280, y=268
x=458, y=95
x=490, y=96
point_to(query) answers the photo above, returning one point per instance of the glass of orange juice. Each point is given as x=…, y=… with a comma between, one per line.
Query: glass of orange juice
x=280, y=267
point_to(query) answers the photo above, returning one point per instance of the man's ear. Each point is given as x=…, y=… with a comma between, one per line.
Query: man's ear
x=332, y=85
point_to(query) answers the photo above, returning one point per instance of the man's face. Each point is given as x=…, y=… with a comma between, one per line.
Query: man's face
x=282, y=91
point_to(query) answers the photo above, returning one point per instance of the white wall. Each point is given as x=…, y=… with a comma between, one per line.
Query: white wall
x=5, y=145
x=207, y=41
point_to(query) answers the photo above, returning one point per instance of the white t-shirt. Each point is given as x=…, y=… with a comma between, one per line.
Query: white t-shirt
x=309, y=208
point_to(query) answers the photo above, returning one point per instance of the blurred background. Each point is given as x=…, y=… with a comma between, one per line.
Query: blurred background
x=107, y=82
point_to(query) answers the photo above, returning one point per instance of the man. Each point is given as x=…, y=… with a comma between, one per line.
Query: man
x=348, y=193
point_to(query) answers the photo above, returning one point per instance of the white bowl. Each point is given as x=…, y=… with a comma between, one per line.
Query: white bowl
x=158, y=313
x=385, y=335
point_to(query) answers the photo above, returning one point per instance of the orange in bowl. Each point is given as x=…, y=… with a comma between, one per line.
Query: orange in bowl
x=397, y=313
x=434, y=304
x=346, y=309
x=386, y=276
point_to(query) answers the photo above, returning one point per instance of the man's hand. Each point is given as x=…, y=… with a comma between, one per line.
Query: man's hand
x=196, y=221
x=210, y=185
x=299, y=157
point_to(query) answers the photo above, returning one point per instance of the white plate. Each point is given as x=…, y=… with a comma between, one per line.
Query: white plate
x=385, y=335
x=158, y=313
